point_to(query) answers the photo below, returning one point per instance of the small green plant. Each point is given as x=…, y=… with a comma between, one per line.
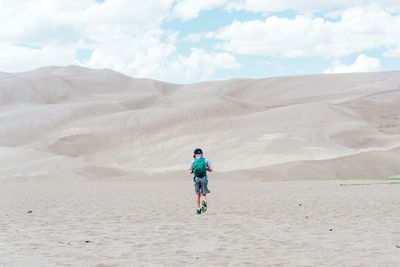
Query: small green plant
x=387, y=125
x=391, y=183
x=365, y=141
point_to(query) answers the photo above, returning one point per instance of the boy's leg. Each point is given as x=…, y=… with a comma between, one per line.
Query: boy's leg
x=204, y=203
x=198, y=200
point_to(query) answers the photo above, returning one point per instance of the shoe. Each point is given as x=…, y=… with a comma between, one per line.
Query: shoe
x=198, y=211
x=203, y=206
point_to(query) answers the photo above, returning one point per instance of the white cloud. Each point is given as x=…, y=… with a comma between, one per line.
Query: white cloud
x=41, y=22
x=203, y=64
x=196, y=37
x=46, y=21
x=361, y=64
x=127, y=35
x=147, y=56
x=282, y=5
x=334, y=14
x=124, y=35
x=394, y=52
x=143, y=55
x=306, y=6
x=125, y=17
x=159, y=60
x=359, y=29
x=189, y=9
x=14, y=58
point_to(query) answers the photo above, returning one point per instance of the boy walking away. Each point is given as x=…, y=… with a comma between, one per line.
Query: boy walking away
x=199, y=168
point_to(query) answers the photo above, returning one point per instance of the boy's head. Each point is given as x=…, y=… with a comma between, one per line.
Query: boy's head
x=198, y=153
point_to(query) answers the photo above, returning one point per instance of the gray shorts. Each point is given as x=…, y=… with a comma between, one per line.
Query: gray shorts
x=200, y=185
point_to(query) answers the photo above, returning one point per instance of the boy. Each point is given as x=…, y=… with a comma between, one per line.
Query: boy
x=199, y=168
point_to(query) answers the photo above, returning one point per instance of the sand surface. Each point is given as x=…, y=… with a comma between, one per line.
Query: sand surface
x=154, y=223
x=72, y=122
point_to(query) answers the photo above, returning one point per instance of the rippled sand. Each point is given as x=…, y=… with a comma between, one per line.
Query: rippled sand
x=119, y=223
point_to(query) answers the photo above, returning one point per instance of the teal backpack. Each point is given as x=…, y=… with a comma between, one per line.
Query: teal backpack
x=199, y=167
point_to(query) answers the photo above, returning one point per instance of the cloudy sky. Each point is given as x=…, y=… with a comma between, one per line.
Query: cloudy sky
x=186, y=41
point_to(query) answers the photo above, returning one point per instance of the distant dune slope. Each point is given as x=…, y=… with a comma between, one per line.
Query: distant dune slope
x=77, y=122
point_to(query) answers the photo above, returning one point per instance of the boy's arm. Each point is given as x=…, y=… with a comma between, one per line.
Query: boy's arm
x=191, y=168
x=209, y=168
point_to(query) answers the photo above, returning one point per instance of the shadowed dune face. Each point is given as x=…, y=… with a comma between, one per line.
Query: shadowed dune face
x=67, y=121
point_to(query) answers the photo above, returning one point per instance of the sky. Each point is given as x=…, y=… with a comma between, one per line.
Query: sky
x=186, y=41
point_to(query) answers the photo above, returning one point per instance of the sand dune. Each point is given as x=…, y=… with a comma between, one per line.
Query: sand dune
x=67, y=121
